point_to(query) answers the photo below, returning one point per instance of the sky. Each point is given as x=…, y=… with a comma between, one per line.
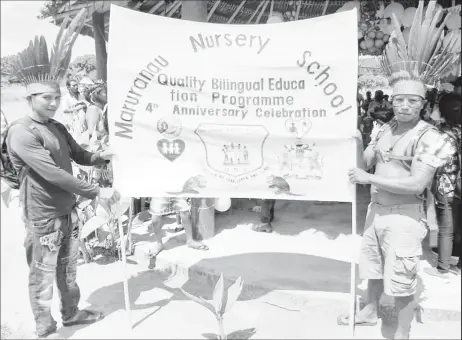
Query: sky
x=19, y=25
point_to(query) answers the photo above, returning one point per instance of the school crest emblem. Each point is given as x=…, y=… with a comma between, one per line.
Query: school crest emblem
x=233, y=150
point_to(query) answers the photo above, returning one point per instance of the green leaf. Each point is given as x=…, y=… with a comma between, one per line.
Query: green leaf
x=123, y=218
x=121, y=207
x=7, y=196
x=219, y=296
x=92, y=224
x=233, y=293
x=104, y=203
x=84, y=204
x=199, y=300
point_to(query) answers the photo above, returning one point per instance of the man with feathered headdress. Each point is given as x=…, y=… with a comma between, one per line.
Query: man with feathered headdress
x=41, y=150
x=406, y=153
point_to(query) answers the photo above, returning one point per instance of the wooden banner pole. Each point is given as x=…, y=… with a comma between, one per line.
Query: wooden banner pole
x=125, y=267
x=353, y=261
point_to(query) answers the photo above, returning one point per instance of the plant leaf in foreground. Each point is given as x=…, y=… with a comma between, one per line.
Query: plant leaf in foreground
x=233, y=293
x=199, y=300
x=219, y=296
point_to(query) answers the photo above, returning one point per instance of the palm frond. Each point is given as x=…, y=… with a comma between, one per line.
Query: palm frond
x=64, y=42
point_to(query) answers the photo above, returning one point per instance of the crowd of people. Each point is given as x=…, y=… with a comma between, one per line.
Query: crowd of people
x=373, y=112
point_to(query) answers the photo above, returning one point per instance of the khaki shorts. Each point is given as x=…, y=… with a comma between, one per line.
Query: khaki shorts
x=392, y=245
x=166, y=205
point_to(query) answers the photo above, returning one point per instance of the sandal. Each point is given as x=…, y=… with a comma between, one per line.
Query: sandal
x=263, y=228
x=53, y=334
x=197, y=245
x=343, y=320
x=178, y=229
x=84, y=317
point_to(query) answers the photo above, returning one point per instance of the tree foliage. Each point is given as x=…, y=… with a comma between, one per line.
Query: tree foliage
x=50, y=8
x=82, y=66
x=372, y=81
x=7, y=64
x=85, y=62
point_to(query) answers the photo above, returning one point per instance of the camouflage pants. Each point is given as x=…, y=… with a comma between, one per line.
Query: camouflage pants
x=52, y=249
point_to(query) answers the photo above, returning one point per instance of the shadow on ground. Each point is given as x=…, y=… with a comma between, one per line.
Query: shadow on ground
x=295, y=217
x=282, y=271
x=279, y=271
x=291, y=218
x=324, y=278
x=111, y=298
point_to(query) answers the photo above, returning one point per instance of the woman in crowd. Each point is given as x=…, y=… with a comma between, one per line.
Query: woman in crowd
x=446, y=187
x=91, y=129
x=96, y=116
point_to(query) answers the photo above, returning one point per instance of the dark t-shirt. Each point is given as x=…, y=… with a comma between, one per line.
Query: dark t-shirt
x=49, y=187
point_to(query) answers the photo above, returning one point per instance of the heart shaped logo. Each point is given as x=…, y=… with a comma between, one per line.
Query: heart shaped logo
x=171, y=149
x=298, y=127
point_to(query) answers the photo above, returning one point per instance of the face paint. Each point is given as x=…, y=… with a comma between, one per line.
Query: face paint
x=407, y=107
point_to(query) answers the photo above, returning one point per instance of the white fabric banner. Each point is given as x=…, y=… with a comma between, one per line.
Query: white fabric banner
x=211, y=110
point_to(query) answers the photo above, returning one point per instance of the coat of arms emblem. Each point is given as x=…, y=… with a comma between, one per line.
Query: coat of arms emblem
x=233, y=150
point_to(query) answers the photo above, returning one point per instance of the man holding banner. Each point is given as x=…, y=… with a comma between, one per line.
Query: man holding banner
x=39, y=153
x=394, y=228
x=406, y=153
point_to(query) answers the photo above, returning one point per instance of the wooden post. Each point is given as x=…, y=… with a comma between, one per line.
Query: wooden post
x=324, y=10
x=194, y=10
x=215, y=6
x=202, y=209
x=100, y=45
x=203, y=218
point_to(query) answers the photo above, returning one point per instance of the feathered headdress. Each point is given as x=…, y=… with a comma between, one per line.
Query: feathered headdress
x=425, y=57
x=42, y=74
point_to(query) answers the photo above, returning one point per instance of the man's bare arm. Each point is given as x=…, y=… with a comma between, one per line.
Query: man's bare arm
x=419, y=178
x=369, y=157
x=366, y=158
x=430, y=154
